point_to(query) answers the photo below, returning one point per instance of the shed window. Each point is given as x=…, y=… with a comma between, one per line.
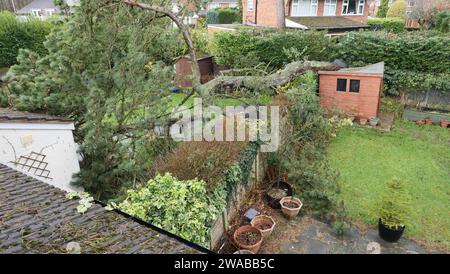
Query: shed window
x=354, y=86
x=341, y=85
x=250, y=5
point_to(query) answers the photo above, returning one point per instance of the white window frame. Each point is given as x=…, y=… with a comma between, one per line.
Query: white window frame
x=360, y=5
x=313, y=7
x=249, y=7
x=332, y=5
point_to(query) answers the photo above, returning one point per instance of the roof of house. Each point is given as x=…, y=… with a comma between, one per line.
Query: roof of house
x=36, y=217
x=327, y=22
x=37, y=5
x=9, y=115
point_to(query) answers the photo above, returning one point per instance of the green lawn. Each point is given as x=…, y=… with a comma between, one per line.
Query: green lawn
x=367, y=158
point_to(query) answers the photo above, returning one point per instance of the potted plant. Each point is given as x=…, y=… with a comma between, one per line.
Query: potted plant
x=363, y=121
x=264, y=223
x=420, y=122
x=374, y=121
x=290, y=206
x=393, y=211
x=248, y=237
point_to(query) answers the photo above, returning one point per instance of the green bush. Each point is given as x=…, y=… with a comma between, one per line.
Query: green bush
x=223, y=16
x=15, y=35
x=178, y=206
x=272, y=47
x=441, y=21
x=398, y=9
x=388, y=24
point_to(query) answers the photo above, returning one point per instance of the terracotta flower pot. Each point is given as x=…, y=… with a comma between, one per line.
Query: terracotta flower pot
x=248, y=237
x=445, y=123
x=363, y=121
x=420, y=122
x=264, y=223
x=428, y=121
x=290, y=206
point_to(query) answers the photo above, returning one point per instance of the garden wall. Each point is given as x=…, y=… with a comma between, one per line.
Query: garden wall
x=237, y=197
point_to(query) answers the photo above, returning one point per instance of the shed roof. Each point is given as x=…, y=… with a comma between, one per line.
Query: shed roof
x=370, y=70
x=9, y=115
x=37, y=218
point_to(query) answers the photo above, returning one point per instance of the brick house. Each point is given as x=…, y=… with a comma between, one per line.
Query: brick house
x=308, y=14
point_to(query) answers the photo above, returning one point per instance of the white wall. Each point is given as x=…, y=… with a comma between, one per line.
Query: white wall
x=55, y=142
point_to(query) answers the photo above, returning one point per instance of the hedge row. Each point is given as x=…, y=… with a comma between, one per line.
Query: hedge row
x=223, y=16
x=15, y=34
x=405, y=51
x=389, y=24
x=250, y=47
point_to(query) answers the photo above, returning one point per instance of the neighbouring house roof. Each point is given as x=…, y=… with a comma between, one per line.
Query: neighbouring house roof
x=8, y=115
x=326, y=22
x=37, y=5
x=36, y=217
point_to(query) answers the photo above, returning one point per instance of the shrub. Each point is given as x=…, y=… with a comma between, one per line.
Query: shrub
x=388, y=24
x=394, y=205
x=178, y=206
x=383, y=9
x=271, y=47
x=398, y=9
x=15, y=35
x=223, y=16
x=441, y=21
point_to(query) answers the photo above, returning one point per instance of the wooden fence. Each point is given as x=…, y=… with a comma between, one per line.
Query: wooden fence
x=13, y=5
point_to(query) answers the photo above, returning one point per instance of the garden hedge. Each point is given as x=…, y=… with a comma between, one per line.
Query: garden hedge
x=388, y=24
x=15, y=34
x=248, y=47
x=223, y=16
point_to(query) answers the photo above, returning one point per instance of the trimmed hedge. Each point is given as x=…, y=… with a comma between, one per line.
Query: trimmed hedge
x=389, y=24
x=15, y=35
x=223, y=16
x=275, y=48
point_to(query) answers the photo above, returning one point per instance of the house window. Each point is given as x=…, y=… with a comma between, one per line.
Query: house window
x=250, y=5
x=330, y=8
x=354, y=86
x=304, y=7
x=411, y=4
x=341, y=85
x=353, y=7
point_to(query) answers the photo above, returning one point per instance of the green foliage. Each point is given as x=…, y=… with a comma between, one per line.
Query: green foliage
x=383, y=9
x=413, y=61
x=15, y=35
x=398, y=9
x=303, y=152
x=97, y=72
x=389, y=24
x=272, y=47
x=441, y=21
x=181, y=207
x=394, y=205
x=223, y=16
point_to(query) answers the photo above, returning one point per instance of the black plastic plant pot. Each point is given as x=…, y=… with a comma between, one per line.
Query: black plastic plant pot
x=388, y=234
x=274, y=202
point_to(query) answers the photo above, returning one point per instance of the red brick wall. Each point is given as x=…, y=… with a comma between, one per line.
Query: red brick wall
x=364, y=104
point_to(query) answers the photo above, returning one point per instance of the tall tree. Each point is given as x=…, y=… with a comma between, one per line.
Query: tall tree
x=281, y=21
x=383, y=9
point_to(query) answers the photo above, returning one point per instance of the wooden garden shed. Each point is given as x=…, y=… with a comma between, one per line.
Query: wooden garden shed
x=354, y=91
x=183, y=70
